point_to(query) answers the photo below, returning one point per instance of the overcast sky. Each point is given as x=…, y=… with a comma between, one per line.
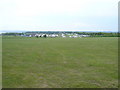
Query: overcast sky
x=35, y=15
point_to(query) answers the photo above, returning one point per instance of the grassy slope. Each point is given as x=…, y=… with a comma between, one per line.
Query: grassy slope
x=60, y=62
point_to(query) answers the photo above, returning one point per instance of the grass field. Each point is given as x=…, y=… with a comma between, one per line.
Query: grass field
x=60, y=62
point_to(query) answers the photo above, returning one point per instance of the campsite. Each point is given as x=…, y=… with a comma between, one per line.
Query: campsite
x=55, y=44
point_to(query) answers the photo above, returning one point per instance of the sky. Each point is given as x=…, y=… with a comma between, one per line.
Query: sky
x=58, y=15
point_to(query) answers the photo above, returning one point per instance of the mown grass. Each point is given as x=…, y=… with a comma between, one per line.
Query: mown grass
x=60, y=62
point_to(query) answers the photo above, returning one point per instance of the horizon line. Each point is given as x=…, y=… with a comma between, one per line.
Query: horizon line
x=18, y=31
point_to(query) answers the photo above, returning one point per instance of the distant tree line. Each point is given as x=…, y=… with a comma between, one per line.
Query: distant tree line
x=12, y=34
x=100, y=34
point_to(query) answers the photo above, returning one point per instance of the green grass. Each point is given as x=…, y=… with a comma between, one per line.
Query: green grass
x=60, y=62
